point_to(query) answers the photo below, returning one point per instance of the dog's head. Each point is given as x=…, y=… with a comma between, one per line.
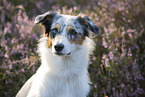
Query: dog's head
x=65, y=33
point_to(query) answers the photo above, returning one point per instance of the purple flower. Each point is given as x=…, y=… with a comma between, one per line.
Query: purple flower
x=6, y=55
x=8, y=72
x=10, y=66
x=104, y=44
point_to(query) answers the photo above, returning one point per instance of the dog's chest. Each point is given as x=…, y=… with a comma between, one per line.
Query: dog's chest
x=49, y=85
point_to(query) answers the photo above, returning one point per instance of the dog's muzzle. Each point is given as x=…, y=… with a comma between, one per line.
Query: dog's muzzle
x=58, y=48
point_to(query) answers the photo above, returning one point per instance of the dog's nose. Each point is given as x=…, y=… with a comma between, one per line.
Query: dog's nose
x=59, y=47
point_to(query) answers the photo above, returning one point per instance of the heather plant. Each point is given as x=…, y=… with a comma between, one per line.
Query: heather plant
x=17, y=49
x=118, y=63
x=120, y=70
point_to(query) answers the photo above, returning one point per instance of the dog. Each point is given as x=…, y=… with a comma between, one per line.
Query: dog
x=64, y=50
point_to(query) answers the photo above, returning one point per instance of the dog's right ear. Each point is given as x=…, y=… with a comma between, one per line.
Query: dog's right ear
x=48, y=16
x=46, y=20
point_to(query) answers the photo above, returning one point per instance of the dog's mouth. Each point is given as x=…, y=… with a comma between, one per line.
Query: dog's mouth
x=61, y=54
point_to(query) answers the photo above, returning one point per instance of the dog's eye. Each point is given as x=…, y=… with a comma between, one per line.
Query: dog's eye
x=53, y=32
x=72, y=32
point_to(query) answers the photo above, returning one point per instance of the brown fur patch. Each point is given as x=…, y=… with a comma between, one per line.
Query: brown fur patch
x=49, y=44
x=70, y=27
x=50, y=41
x=57, y=26
x=79, y=40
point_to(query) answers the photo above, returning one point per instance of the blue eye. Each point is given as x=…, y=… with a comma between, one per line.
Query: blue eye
x=53, y=32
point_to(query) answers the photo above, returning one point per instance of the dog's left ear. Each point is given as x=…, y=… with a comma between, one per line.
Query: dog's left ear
x=87, y=21
x=92, y=25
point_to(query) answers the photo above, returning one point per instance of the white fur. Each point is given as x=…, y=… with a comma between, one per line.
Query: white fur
x=65, y=76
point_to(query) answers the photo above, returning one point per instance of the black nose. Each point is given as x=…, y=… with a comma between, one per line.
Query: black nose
x=59, y=47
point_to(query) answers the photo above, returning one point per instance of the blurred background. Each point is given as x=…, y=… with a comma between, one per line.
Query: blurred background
x=117, y=67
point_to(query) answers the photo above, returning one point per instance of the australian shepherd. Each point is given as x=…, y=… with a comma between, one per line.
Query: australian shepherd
x=64, y=50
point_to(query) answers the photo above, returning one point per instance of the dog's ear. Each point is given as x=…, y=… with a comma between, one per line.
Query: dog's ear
x=48, y=16
x=92, y=25
x=46, y=20
x=87, y=21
